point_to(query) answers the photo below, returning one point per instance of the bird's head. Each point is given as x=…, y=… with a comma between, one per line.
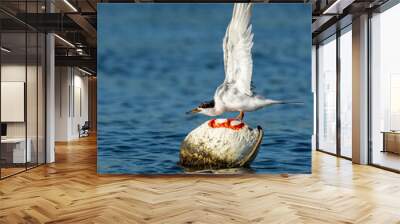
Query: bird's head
x=206, y=108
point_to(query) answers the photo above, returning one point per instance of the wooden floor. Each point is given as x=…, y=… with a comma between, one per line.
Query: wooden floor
x=70, y=191
x=387, y=159
x=5, y=172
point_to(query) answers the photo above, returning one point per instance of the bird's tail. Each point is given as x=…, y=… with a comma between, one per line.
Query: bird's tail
x=288, y=102
x=268, y=102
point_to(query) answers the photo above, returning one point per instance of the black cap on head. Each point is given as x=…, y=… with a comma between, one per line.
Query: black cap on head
x=209, y=104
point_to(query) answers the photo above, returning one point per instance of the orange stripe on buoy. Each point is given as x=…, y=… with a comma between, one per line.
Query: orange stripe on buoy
x=227, y=124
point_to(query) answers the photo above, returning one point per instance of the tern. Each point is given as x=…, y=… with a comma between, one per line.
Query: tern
x=236, y=94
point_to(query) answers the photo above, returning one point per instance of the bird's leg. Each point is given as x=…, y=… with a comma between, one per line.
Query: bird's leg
x=240, y=116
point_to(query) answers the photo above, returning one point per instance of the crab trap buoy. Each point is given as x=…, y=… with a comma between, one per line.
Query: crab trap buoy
x=220, y=144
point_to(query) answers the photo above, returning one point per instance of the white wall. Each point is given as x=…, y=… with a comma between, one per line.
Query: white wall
x=14, y=72
x=33, y=127
x=80, y=109
x=17, y=72
x=71, y=87
x=62, y=81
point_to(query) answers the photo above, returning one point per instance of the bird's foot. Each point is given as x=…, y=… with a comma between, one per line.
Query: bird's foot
x=240, y=116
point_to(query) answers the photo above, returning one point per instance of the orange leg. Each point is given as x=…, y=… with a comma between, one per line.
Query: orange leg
x=240, y=116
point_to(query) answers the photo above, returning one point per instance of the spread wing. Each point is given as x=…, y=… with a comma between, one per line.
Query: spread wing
x=237, y=45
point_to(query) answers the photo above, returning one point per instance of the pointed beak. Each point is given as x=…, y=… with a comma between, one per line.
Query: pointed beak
x=196, y=110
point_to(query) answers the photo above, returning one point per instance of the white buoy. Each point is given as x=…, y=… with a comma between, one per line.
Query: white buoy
x=220, y=143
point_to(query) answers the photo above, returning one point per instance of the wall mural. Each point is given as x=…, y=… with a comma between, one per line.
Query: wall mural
x=204, y=88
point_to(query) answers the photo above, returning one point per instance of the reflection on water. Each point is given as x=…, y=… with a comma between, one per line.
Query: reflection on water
x=242, y=170
x=153, y=67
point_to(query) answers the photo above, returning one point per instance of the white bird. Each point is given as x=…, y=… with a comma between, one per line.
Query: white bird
x=235, y=94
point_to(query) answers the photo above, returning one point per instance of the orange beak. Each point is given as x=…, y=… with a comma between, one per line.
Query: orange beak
x=196, y=110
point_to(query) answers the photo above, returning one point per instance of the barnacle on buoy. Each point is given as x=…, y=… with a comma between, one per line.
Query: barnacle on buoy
x=220, y=143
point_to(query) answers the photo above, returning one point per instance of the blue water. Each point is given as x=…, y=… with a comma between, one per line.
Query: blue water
x=157, y=61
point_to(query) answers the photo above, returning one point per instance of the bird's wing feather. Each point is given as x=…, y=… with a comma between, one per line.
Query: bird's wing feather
x=237, y=45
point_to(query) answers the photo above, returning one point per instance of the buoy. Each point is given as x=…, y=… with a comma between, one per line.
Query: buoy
x=220, y=144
